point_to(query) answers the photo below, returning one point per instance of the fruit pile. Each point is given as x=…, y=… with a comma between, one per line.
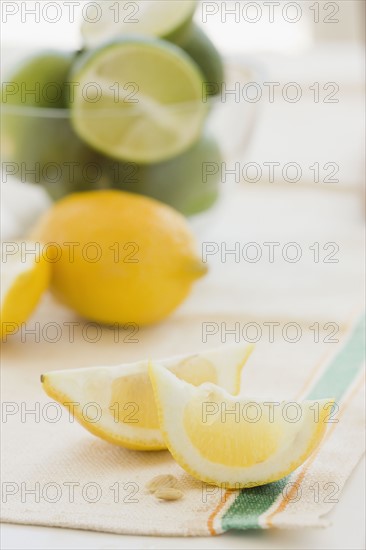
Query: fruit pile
x=128, y=111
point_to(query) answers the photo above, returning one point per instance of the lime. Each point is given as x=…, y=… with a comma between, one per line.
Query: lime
x=46, y=151
x=138, y=100
x=201, y=49
x=167, y=19
x=39, y=143
x=39, y=81
x=188, y=182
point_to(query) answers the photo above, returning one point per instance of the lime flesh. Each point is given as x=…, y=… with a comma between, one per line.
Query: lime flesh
x=148, y=103
x=167, y=19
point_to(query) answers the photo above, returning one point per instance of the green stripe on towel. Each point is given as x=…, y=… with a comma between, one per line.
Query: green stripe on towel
x=250, y=504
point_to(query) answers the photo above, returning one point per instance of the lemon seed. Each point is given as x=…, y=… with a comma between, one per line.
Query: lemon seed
x=168, y=494
x=161, y=482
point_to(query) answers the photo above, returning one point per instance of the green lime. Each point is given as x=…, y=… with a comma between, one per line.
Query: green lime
x=39, y=143
x=189, y=182
x=202, y=50
x=40, y=81
x=138, y=100
x=167, y=19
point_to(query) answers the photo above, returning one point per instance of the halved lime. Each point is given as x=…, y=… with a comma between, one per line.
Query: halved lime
x=138, y=100
x=157, y=18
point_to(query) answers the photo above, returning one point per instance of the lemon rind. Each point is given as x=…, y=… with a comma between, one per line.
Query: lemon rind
x=236, y=355
x=313, y=442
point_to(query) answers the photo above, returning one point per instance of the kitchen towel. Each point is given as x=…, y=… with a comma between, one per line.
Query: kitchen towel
x=54, y=473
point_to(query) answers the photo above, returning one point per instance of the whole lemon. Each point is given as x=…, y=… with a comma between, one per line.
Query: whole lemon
x=118, y=257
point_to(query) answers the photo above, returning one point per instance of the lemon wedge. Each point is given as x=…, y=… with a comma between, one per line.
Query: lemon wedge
x=235, y=442
x=117, y=403
x=25, y=275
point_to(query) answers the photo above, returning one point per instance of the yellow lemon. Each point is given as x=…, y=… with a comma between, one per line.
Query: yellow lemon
x=235, y=442
x=124, y=411
x=25, y=275
x=119, y=257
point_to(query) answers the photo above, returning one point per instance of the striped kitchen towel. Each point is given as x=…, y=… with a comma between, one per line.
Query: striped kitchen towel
x=310, y=492
x=65, y=477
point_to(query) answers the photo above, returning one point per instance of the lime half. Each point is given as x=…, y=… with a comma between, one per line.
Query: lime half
x=157, y=18
x=138, y=100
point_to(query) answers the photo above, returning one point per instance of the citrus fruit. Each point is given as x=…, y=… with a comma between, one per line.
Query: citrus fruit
x=124, y=398
x=202, y=50
x=186, y=182
x=24, y=278
x=167, y=19
x=134, y=259
x=146, y=106
x=235, y=442
x=39, y=143
x=39, y=81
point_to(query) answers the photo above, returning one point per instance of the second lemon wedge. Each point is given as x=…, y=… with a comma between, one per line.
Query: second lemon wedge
x=117, y=403
x=235, y=442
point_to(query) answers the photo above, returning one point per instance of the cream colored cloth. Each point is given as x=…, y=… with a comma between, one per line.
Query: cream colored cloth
x=55, y=473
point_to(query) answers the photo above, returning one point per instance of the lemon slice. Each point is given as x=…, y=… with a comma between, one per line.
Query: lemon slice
x=144, y=102
x=234, y=442
x=25, y=276
x=117, y=403
x=161, y=18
